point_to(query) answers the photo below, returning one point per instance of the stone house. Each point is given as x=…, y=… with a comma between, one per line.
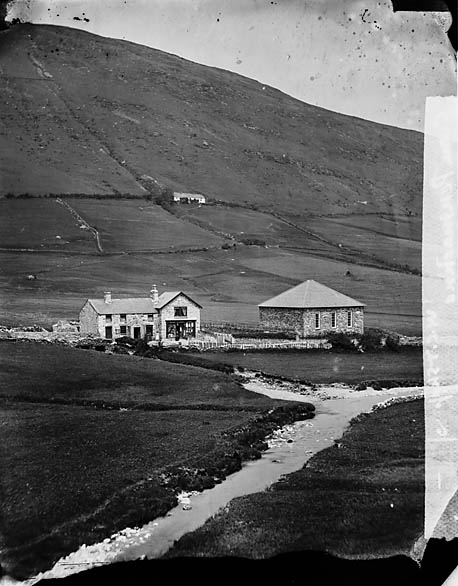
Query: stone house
x=313, y=310
x=172, y=315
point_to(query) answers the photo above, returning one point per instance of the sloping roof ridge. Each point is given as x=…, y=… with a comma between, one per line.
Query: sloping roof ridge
x=170, y=296
x=308, y=294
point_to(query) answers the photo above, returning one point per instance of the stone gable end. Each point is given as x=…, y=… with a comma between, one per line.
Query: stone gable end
x=88, y=319
x=167, y=313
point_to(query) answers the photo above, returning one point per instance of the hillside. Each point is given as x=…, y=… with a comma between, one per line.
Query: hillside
x=334, y=198
x=120, y=111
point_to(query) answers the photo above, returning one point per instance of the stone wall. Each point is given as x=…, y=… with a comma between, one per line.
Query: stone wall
x=341, y=324
x=132, y=320
x=92, y=323
x=277, y=317
x=88, y=320
x=303, y=320
x=168, y=313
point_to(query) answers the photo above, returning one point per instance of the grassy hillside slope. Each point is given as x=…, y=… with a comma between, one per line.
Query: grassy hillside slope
x=118, y=111
x=334, y=198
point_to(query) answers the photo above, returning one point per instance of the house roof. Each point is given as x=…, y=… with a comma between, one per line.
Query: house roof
x=136, y=304
x=168, y=296
x=311, y=295
x=128, y=305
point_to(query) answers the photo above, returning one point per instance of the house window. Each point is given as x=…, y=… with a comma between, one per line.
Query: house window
x=123, y=317
x=181, y=311
x=317, y=320
x=108, y=317
x=333, y=319
x=150, y=317
x=190, y=330
x=349, y=319
x=123, y=330
x=180, y=329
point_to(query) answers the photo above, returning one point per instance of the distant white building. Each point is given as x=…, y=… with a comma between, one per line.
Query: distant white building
x=189, y=197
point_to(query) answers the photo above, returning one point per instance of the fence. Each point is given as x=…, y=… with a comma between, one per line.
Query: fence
x=255, y=344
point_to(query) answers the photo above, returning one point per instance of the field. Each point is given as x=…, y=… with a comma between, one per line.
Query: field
x=342, y=206
x=38, y=372
x=124, y=226
x=364, y=498
x=329, y=367
x=228, y=283
x=85, y=437
x=374, y=239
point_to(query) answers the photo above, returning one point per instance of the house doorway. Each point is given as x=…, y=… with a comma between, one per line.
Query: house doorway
x=137, y=332
x=109, y=332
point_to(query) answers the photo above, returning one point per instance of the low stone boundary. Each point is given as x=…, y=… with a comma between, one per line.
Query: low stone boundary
x=43, y=336
x=256, y=344
x=410, y=341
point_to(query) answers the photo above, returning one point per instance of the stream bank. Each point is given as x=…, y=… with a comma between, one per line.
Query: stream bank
x=288, y=450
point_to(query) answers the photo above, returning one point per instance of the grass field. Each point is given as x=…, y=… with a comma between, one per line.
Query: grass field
x=86, y=436
x=364, y=498
x=328, y=367
x=395, y=240
x=126, y=226
x=123, y=225
x=41, y=224
x=43, y=373
x=372, y=238
x=228, y=283
x=60, y=463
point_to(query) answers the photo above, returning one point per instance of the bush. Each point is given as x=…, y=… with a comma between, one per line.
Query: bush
x=341, y=341
x=126, y=341
x=253, y=242
x=392, y=342
x=120, y=350
x=165, y=198
x=141, y=347
x=371, y=340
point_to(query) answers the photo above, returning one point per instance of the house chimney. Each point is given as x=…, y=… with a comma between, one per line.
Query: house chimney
x=154, y=294
x=107, y=297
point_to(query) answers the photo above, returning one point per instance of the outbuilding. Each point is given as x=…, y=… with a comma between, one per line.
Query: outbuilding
x=312, y=310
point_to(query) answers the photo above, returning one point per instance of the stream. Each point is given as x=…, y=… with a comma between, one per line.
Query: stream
x=289, y=449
